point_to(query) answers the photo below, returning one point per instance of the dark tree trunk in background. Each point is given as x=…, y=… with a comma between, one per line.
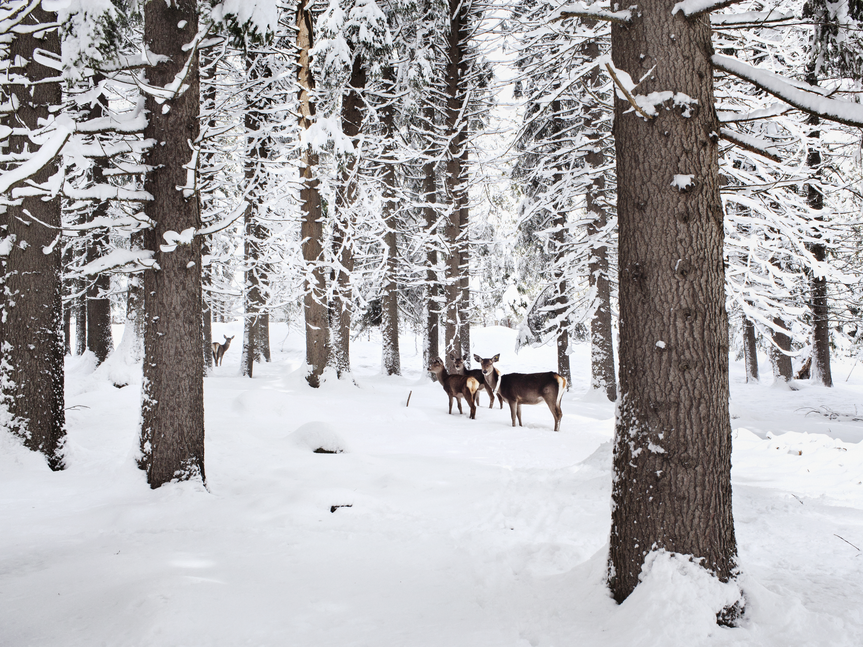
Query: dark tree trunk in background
x=172, y=417
x=133, y=333
x=750, y=351
x=343, y=227
x=391, y=356
x=672, y=451
x=431, y=338
x=562, y=296
x=79, y=306
x=99, y=338
x=314, y=301
x=263, y=343
x=820, y=370
x=602, y=363
x=208, y=105
x=456, y=186
x=780, y=353
x=31, y=325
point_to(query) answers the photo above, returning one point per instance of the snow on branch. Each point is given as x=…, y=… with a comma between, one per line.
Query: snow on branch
x=752, y=144
x=693, y=8
x=806, y=98
x=749, y=19
x=47, y=152
x=119, y=260
x=591, y=12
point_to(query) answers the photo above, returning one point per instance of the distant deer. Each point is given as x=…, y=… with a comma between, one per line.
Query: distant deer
x=525, y=388
x=219, y=349
x=456, y=386
x=475, y=373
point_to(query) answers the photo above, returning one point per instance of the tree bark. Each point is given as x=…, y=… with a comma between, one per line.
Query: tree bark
x=820, y=370
x=98, y=304
x=311, y=230
x=750, y=351
x=343, y=225
x=456, y=183
x=391, y=356
x=672, y=450
x=431, y=341
x=780, y=353
x=208, y=105
x=172, y=417
x=31, y=322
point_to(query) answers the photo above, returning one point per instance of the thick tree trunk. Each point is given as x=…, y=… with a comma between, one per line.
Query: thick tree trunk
x=263, y=344
x=343, y=225
x=31, y=322
x=672, y=451
x=391, y=356
x=172, y=417
x=456, y=181
x=750, y=351
x=79, y=305
x=311, y=230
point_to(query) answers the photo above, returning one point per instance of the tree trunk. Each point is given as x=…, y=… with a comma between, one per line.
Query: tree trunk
x=456, y=180
x=672, y=451
x=780, y=353
x=208, y=105
x=31, y=323
x=79, y=305
x=391, y=356
x=343, y=225
x=314, y=300
x=750, y=351
x=431, y=341
x=601, y=329
x=263, y=343
x=820, y=370
x=172, y=417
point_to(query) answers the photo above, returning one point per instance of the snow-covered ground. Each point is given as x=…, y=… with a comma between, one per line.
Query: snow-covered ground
x=452, y=532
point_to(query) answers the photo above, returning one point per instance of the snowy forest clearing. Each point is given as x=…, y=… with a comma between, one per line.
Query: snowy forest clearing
x=454, y=531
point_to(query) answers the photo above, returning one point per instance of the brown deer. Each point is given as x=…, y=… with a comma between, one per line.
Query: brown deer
x=456, y=386
x=525, y=388
x=219, y=349
x=475, y=373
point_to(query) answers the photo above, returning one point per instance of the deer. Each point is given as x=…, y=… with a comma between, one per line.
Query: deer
x=475, y=373
x=219, y=349
x=456, y=386
x=525, y=388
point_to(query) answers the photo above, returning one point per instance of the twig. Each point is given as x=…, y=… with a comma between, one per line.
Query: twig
x=846, y=541
x=409, y=399
x=626, y=93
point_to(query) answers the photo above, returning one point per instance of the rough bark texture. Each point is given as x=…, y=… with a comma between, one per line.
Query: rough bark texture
x=31, y=323
x=343, y=225
x=172, y=417
x=820, y=370
x=672, y=451
x=750, y=351
x=311, y=229
x=456, y=185
x=391, y=363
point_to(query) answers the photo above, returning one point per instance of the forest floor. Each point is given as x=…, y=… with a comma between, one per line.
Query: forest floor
x=428, y=530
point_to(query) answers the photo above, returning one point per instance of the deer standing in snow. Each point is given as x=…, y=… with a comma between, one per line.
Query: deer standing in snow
x=219, y=349
x=456, y=386
x=475, y=373
x=525, y=388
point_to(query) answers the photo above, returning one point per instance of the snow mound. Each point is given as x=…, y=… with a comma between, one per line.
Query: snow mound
x=319, y=437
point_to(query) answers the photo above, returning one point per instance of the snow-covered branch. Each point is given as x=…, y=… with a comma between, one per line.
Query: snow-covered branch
x=810, y=99
x=590, y=12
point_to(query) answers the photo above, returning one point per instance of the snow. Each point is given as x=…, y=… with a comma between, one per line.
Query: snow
x=804, y=97
x=458, y=532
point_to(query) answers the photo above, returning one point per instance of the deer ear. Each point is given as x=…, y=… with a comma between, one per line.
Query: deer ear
x=496, y=358
x=477, y=357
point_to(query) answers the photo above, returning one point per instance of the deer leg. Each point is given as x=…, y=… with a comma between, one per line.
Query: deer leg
x=450, y=405
x=557, y=414
x=458, y=400
x=491, y=397
x=512, y=406
x=518, y=410
x=500, y=398
x=470, y=401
